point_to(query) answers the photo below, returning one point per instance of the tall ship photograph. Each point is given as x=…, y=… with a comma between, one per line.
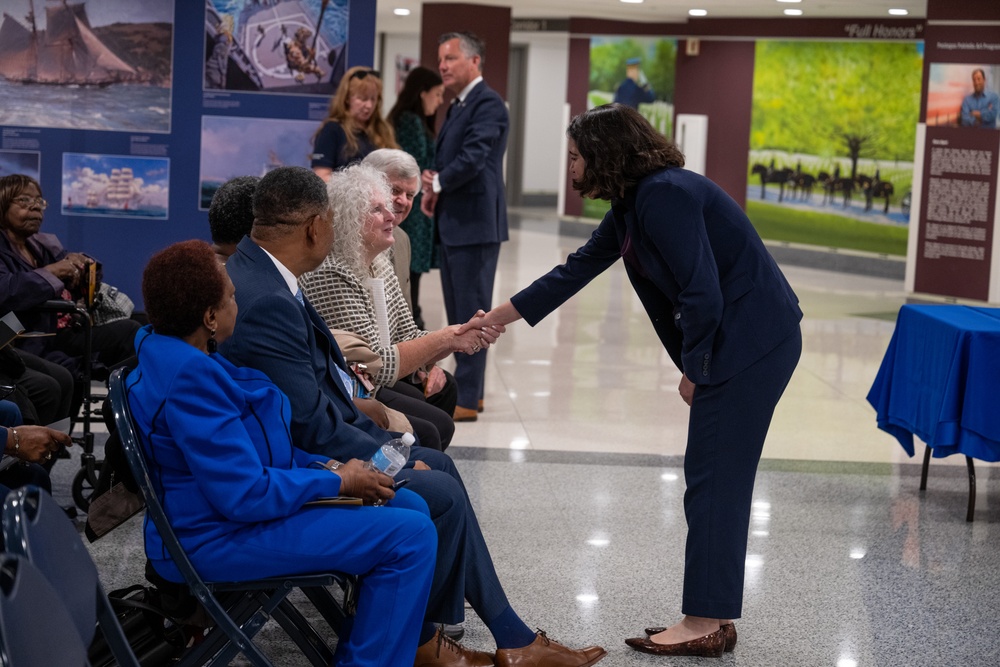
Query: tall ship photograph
x=116, y=186
x=97, y=65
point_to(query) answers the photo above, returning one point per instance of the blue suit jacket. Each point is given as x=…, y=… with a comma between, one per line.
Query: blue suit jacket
x=715, y=297
x=294, y=348
x=223, y=461
x=472, y=207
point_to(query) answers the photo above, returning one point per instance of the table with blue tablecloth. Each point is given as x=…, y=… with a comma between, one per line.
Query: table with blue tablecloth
x=938, y=381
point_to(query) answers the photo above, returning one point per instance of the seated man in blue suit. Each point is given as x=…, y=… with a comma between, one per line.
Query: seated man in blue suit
x=279, y=333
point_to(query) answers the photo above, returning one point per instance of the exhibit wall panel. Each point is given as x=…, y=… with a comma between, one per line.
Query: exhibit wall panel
x=189, y=93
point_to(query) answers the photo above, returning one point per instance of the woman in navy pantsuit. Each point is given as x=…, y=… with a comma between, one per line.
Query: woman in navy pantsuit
x=234, y=487
x=724, y=313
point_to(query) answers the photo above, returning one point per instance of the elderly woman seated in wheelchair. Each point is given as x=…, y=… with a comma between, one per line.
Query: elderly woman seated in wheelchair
x=35, y=268
x=234, y=485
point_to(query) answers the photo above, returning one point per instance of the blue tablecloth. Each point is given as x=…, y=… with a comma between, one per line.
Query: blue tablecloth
x=940, y=380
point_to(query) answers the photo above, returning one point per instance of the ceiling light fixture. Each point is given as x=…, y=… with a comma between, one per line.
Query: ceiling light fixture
x=898, y=12
x=633, y=2
x=793, y=12
x=401, y=11
x=698, y=12
x=789, y=0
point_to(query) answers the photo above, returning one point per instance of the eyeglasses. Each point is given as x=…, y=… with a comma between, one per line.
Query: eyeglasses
x=25, y=201
x=362, y=73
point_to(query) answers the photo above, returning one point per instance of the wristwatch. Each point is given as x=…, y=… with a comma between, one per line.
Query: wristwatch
x=330, y=465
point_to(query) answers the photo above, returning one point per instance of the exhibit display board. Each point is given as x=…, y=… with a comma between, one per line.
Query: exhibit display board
x=953, y=252
x=131, y=113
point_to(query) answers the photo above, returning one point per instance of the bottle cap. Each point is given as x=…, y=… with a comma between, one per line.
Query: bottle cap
x=408, y=439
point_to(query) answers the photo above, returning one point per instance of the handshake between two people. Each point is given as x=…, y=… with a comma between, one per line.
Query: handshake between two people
x=475, y=335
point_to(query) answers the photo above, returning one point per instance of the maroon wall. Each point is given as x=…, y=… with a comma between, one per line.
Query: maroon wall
x=491, y=24
x=577, y=85
x=718, y=83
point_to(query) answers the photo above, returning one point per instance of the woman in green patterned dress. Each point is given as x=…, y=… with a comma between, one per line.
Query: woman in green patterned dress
x=412, y=117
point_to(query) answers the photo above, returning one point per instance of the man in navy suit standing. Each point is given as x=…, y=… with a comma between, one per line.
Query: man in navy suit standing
x=466, y=197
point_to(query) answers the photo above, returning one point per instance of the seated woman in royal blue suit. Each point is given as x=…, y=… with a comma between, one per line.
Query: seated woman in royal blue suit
x=234, y=486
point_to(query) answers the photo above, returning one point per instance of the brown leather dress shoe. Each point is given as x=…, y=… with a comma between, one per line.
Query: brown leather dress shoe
x=710, y=646
x=465, y=414
x=441, y=651
x=544, y=652
x=729, y=629
x=480, y=407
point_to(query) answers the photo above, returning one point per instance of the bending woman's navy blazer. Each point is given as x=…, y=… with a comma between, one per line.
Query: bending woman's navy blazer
x=715, y=297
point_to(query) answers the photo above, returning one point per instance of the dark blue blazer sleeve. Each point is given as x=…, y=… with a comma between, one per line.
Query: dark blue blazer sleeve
x=553, y=289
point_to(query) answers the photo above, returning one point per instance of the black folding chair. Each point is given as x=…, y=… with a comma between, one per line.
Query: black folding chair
x=35, y=626
x=37, y=528
x=239, y=608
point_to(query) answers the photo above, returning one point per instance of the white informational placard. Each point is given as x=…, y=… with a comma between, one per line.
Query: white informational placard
x=691, y=136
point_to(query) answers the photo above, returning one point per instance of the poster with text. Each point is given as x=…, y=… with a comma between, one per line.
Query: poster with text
x=86, y=65
x=831, y=144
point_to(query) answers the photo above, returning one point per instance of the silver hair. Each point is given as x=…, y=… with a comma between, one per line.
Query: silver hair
x=393, y=162
x=351, y=193
x=469, y=43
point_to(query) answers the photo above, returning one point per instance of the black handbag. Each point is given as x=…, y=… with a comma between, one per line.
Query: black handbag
x=156, y=638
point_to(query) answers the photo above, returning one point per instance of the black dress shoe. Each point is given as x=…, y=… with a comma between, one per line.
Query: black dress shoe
x=710, y=646
x=728, y=628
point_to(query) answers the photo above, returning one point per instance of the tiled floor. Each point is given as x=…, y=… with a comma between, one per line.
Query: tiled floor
x=574, y=469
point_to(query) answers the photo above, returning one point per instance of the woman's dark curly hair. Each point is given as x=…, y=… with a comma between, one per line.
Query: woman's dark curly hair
x=620, y=148
x=179, y=284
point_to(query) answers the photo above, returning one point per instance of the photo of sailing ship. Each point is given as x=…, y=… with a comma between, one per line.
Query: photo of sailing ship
x=93, y=65
x=233, y=147
x=117, y=186
x=276, y=46
x=21, y=162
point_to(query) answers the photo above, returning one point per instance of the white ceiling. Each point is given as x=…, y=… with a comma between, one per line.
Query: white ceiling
x=656, y=10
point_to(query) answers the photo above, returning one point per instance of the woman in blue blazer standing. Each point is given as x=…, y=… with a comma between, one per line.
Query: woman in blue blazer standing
x=725, y=314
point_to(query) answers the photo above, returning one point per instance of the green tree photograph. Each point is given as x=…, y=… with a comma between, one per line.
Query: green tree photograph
x=831, y=142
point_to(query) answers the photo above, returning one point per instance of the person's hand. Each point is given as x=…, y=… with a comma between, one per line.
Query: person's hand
x=420, y=465
x=359, y=481
x=427, y=181
x=428, y=203
x=374, y=410
x=435, y=381
x=686, y=390
x=473, y=340
x=485, y=322
x=36, y=444
x=68, y=269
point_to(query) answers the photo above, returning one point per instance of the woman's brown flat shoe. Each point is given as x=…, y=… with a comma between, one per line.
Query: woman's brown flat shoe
x=728, y=628
x=709, y=646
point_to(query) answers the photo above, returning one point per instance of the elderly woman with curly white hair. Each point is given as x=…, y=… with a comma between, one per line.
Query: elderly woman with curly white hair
x=357, y=294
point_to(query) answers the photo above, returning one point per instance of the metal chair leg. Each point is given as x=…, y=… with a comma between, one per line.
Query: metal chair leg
x=923, y=470
x=972, y=488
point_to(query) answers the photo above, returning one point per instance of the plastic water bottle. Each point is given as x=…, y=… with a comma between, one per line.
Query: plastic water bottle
x=392, y=456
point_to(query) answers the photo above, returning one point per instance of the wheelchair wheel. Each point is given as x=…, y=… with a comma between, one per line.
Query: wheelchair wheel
x=83, y=487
